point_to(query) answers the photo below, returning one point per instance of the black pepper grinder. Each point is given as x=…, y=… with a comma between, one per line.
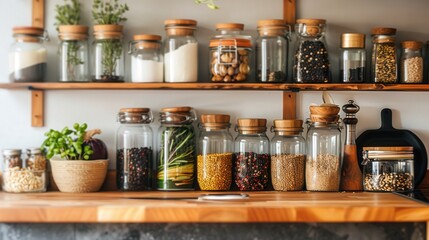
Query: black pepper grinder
x=351, y=176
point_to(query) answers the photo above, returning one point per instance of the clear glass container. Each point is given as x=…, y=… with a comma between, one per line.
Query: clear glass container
x=352, y=58
x=272, y=50
x=11, y=158
x=180, y=51
x=251, y=160
x=28, y=55
x=287, y=155
x=147, y=60
x=108, y=54
x=411, y=62
x=177, y=151
x=230, y=54
x=73, y=53
x=384, y=62
x=388, y=169
x=134, y=149
x=35, y=159
x=214, y=160
x=311, y=62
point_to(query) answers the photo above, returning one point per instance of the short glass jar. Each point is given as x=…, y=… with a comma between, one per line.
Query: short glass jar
x=147, y=64
x=352, y=58
x=411, y=62
x=388, y=169
x=35, y=159
x=384, y=59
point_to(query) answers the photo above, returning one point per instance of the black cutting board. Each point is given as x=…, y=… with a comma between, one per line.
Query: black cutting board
x=387, y=136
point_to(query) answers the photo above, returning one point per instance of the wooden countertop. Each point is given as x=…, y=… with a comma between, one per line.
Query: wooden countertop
x=105, y=207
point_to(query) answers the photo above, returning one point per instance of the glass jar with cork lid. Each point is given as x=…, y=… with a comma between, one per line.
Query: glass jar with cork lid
x=384, y=59
x=147, y=64
x=411, y=62
x=352, y=58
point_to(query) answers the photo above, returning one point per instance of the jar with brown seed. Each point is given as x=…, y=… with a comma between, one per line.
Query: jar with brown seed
x=11, y=158
x=35, y=159
x=215, y=148
x=411, y=62
x=384, y=62
x=287, y=155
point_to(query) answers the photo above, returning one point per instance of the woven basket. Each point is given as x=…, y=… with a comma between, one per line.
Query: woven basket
x=79, y=175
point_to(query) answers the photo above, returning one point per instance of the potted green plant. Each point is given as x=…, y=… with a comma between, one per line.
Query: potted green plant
x=78, y=160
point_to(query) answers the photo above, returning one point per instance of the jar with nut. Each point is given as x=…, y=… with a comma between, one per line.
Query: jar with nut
x=384, y=62
x=214, y=160
x=230, y=54
x=411, y=62
x=35, y=160
x=11, y=158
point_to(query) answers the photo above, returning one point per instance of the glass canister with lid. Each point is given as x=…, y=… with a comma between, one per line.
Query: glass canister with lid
x=251, y=160
x=230, y=54
x=35, y=159
x=352, y=58
x=147, y=64
x=411, y=62
x=214, y=160
x=177, y=153
x=134, y=149
x=384, y=59
x=28, y=55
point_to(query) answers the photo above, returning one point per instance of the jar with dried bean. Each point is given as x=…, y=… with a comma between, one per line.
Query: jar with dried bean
x=287, y=155
x=11, y=158
x=384, y=63
x=214, y=160
x=35, y=160
x=24, y=180
x=251, y=160
x=230, y=54
x=411, y=62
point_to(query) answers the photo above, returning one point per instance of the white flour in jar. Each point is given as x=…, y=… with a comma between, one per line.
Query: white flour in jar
x=146, y=70
x=181, y=65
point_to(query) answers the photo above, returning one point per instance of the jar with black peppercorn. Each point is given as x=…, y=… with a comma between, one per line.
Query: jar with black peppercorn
x=384, y=62
x=352, y=58
x=214, y=160
x=311, y=62
x=134, y=149
x=411, y=62
x=251, y=160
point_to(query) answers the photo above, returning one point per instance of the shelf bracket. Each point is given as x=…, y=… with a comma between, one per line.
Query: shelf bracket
x=289, y=105
x=37, y=108
x=38, y=13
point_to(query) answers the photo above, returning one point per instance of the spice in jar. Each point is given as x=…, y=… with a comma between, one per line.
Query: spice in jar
x=214, y=171
x=326, y=168
x=411, y=62
x=287, y=171
x=251, y=171
x=134, y=167
x=35, y=159
x=12, y=158
x=384, y=65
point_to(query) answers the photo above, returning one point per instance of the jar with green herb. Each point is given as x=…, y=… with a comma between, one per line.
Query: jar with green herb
x=384, y=59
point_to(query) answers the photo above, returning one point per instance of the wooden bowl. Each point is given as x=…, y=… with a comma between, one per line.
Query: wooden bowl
x=325, y=110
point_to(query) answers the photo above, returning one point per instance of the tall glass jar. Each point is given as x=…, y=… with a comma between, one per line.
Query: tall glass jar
x=352, y=58
x=287, y=155
x=180, y=51
x=272, y=50
x=73, y=53
x=108, y=54
x=214, y=160
x=134, y=149
x=411, y=62
x=251, y=160
x=176, y=149
x=28, y=55
x=230, y=54
x=384, y=62
x=311, y=62
x=147, y=60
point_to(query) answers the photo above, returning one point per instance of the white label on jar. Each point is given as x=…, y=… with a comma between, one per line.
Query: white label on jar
x=25, y=59
x=146, y=70
x=181, y=65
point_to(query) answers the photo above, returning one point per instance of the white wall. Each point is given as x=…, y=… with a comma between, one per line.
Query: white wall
x=99, y=108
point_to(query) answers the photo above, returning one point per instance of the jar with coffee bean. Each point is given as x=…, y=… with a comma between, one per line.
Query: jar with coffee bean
x=272, y=47
x=287, y=155
x=230, y=54
x=311, y=62
x=384, y=62
x=214, y=160
x=352, y=58
x=411, y=62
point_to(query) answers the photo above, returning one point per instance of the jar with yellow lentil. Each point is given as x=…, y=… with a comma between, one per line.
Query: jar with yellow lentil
x=214, y=160
x=384, y=62
x=287, y=155
x=411, y=62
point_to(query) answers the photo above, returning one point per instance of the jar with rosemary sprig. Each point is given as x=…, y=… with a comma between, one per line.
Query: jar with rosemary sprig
x=107, y=47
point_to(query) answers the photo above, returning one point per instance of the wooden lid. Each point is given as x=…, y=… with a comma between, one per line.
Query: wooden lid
x=251, y=122
x=272, y=23
x=238, y=26
x=353, y=40
x=176, y=109
x=134, y=110
x=414, y=45
x=311, y=21
x=180, y=22
x=106, y=31
x=215, y=118
x=148, y=37
x=288, y=123
x=239, y=42
x=28, y=30
x=73, y=32
x=383, y=31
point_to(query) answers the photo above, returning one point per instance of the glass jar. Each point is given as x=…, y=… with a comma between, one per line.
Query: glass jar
x=147, y=64
x=177, y=149
x=73, y=53
x=311, y=62
x=180, y=51
x=323, y=163
x=251, y=160
x=352, y=58
x=287, y=155
x=384, y=63
x=214, y=160
x=411, y=62
x=11, y=158
x=388, y=169
x=134, y=149
x=230, y=54
x=272, y=50
x=108, y=54
x=35, y=160
x=28, y=55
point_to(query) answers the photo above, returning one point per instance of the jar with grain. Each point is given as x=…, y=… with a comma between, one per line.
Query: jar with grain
x=134, y=149
x=388, y=169
x=251, y=160
x=411, y=62
x=311, y=62
x=230, y=54
x=180, y=51
x=28, y=55
x=177, y=153
x=384, y=62
x=272, y=50
x=147, y=60
x=352, y=58
x=287, y=155
x=214, y=160
x=35, y=160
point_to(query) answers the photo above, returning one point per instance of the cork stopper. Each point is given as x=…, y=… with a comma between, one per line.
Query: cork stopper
x=73, y=32
x=383, y=31
x=352, y=40
x=413, y=45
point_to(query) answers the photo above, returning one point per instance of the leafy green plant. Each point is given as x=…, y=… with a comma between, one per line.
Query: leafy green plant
x=209, y=3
